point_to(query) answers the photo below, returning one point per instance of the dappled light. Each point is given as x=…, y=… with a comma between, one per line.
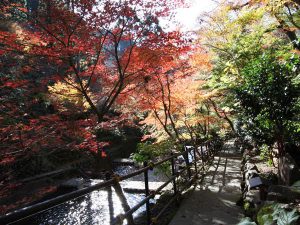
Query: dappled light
x=149, y=112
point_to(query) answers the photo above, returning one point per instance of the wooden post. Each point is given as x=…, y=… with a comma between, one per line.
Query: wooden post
x=195, y=160
x=202, y=156
x=148, y=212
x=208, y=149
x=187, y=163
x=173, y=173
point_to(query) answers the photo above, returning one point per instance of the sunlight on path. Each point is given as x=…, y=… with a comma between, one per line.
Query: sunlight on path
x=213, y=202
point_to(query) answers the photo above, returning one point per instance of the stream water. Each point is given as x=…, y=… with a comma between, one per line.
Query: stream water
x=98, y=207
x=101, y=206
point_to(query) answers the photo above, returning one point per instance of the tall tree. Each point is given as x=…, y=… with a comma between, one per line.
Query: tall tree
x=257, y=37
x=91, y=49
x=88, y=46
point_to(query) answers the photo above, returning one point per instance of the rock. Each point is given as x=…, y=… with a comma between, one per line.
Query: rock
x=246, y=153
x=73, y=184
x=247, y=158
x=250, y=174
x=256, y=150
x=123, y=162
x=289, y=171
x=252, y=202
x=283, y=194
x=251, y=166
x=253, y=196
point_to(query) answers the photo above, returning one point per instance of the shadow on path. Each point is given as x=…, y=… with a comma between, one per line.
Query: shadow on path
x=213, y=201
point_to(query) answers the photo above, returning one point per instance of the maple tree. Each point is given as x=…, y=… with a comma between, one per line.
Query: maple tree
x=94, y=50
x=77, y=75
x=89, y=47
x=176, y=104
x=155, y=92
x=73, y=66
x=86, y=50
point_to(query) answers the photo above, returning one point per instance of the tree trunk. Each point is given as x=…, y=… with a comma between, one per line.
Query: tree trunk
x=281, y=152
x=225, y=117
x=280, y=144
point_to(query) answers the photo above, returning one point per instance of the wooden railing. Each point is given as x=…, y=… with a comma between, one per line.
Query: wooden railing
x=191, y=175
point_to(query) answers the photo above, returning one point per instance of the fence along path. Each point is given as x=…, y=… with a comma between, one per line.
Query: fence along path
x=213, y=201
x=191, y=175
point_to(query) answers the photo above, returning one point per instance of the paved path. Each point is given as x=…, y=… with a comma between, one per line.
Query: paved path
x=213, y=201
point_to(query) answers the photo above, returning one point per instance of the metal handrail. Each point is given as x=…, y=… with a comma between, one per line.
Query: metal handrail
x=37, y=208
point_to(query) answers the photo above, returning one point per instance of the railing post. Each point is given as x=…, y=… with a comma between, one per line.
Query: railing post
x=187, y=162
x=195, y=159
x=148, y=212
x=202, y=156
x=208, y=149
x=173, y=173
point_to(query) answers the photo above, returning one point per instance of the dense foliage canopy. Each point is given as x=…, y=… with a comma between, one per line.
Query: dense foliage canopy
x=92, y=79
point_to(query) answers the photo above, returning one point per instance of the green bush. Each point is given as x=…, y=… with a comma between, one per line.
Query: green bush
x=148, y=151
x=275, y=213
x=265, y=154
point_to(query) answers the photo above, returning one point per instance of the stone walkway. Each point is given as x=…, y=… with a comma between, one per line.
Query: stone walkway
x=213, y=201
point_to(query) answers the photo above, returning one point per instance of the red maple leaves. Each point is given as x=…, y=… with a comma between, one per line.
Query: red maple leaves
x=105, y=52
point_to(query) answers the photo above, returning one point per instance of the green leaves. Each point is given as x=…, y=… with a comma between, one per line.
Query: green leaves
x=256, y=68
x=286, y=218
x=276, y=214
x=267, y=95
x=148, y=151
